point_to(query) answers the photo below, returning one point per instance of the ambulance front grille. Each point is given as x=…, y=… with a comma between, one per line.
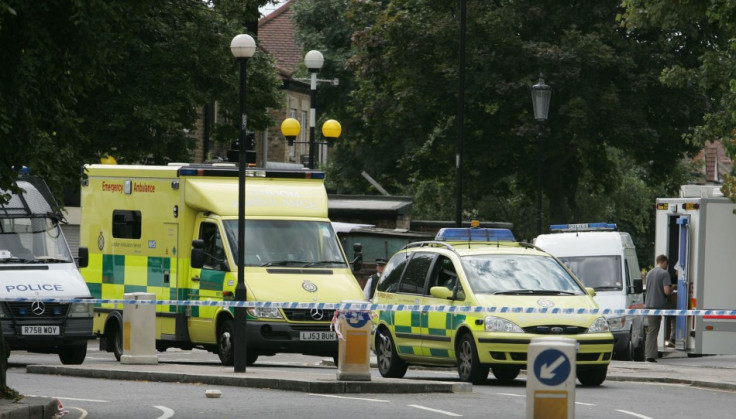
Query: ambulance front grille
x=555, y=330
x=37, y=310
x=308, y=315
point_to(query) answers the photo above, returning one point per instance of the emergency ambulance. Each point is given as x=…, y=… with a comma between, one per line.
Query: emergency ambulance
x=36, y=264
x=605, y=260
x=173, y=231
x=483, y=267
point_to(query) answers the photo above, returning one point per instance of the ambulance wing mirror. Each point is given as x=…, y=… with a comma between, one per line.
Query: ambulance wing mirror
x=197, y=260
x=357, y=261
x=638, y=287
x=83, y=257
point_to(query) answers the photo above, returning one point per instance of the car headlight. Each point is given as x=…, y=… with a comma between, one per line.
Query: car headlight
x=600, y=325
x=498, y=324
x=265, y=312
x=80, y=310
x=617, y=323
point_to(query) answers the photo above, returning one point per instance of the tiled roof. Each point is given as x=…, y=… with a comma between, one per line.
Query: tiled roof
x=715, y=161
x=276, y=37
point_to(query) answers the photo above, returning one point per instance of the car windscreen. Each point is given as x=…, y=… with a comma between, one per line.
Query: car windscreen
x=519, y=274
x=287, y=243
x=602, y=273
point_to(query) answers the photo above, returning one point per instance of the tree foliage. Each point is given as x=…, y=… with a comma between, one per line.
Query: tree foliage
x=607, y=95
x=82, y=79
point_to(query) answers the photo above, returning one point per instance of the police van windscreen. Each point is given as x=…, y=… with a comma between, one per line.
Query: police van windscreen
x=519, y=275
x=602, y=273
x=287, y=243
x=32, y=240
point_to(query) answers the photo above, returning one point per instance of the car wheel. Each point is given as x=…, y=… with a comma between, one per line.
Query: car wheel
x=468, y=365
x=115, y=336
x=72, y=354
x=225, y=343
x=594, y=376
x=389, y=363
x=250, y=358
x=505, y=372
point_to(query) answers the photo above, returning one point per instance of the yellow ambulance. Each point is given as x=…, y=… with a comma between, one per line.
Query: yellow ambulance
x=142, y=224
x=483, y=268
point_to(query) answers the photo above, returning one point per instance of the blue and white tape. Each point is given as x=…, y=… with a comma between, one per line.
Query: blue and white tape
x=355, y=306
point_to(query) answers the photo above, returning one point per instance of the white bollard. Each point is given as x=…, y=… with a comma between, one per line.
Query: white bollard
x=550, y=381
x=139, y=331
x=354, y=362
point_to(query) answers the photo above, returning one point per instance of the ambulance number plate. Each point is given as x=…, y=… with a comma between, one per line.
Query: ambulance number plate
x=317, y=336
x=40, y=330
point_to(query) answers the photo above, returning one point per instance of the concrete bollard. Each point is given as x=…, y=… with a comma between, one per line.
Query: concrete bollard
x=139, y=331
x=550, y=382
x=354, y=331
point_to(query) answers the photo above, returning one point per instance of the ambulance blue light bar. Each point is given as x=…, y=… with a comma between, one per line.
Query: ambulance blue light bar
x=583, y=227
x=475, y=235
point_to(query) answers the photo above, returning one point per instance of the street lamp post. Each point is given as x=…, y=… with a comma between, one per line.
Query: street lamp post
x=461, y=120
x=313, y=60
x=243, y=47
x=331, y=130
x=541, y=94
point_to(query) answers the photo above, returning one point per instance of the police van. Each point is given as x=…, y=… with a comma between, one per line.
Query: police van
x=173, y=231
x=605, y=260
x=483, y=267
x=36, y=264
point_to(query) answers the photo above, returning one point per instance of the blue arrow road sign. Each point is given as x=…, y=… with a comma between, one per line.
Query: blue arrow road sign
x=552, y=367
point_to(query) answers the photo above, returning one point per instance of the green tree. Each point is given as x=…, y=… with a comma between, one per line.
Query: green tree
x=606, y=94
x=82, y=79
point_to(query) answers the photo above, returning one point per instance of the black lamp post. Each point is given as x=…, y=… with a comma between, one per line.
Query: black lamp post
x=460, y=120
x=541, y=94
x=313, y=60
x=243, y=47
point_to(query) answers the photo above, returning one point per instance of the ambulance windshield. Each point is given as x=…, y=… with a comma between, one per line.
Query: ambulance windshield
x=32, y=240
x=287, y=243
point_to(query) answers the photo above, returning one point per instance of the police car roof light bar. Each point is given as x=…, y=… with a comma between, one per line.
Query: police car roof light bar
x=583, y=227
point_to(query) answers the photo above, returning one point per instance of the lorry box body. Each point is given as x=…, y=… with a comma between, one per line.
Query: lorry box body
x=697, y=233
x=606, y=261
x=141, y=223
x=35, y=263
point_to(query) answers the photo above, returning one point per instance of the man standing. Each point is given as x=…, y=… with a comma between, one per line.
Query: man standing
x=372, y=282
x=659, y=286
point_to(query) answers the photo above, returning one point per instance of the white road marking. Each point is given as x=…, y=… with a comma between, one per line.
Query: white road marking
x=511, y=394
x=167, y=412
x=84, y=412
x=444, y=412
x=72, y=398
x=350, y=398
x=585, y=404
x=633, y=414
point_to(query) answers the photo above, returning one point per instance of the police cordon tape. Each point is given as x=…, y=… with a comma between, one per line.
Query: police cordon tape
x=360, y=306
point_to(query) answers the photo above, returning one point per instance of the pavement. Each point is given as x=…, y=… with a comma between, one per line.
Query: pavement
x=716, y=372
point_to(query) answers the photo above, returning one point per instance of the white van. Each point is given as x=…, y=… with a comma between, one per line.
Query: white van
x=36, y=264
x=605, y=260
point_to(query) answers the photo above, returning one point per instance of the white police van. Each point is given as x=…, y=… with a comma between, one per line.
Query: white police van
x=36, y=264
x=605, y=260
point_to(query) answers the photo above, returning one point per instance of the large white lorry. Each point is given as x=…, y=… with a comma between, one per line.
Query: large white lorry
x=605, y=260
x=697, y=233
x=36, y=264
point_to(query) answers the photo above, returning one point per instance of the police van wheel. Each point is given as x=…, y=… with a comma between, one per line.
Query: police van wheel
x=594, y=376
x=225, y=343
x=389, y=363
x=468, y=365
x=73, y=354
x=505, y=372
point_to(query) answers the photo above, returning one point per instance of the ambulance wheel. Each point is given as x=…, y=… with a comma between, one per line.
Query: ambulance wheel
x=72, y=354
x=505, y=372
x=115, y=339
x=468, y=365
x=592, y=376
x=225, y=343
x=389, y=363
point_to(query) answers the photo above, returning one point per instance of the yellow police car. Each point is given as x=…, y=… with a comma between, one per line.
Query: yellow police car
x=483, y=268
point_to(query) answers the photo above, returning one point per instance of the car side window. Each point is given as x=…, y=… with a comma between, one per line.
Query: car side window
x=444, y=274
x=415, y=275
x=389, y=281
